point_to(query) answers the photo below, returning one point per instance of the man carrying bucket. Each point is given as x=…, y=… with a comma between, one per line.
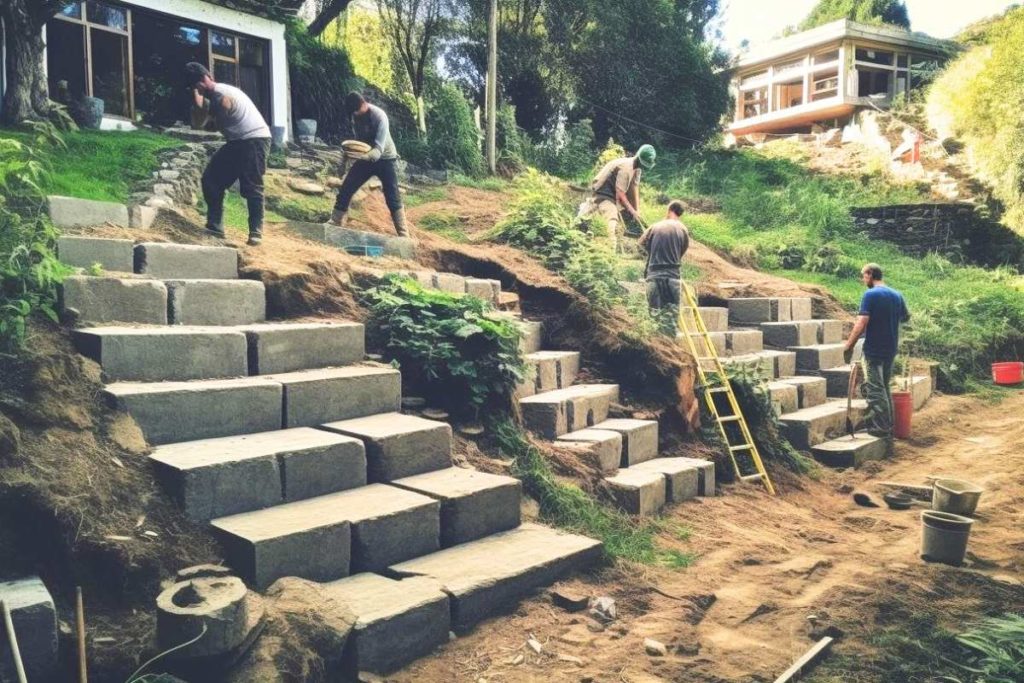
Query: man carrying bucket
x=882, y=310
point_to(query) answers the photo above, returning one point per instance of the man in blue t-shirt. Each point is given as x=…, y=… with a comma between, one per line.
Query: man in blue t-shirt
x=882, y=310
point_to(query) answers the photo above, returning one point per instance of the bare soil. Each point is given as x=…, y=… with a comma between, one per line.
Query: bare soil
x=765, y=566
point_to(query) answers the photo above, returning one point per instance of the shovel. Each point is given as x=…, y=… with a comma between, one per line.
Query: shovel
x=854, y=376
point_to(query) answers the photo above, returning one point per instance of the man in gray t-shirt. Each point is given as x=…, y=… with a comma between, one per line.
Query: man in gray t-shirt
x=371, y=126
x=665, y=242
x=242, y=158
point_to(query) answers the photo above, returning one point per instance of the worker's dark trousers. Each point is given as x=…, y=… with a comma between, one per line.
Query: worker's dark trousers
x=246, y=162
x=663, y=300
x=361, y=171
x=878, y=392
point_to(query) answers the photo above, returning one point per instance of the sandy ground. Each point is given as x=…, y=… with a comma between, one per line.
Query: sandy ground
x=742, y=611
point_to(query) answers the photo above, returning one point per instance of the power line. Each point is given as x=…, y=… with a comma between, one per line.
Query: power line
x=639, y=123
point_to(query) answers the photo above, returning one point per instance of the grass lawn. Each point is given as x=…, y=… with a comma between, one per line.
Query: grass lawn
x=101, y=165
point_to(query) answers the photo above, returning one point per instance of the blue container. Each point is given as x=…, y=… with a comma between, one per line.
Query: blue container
x=373, y=252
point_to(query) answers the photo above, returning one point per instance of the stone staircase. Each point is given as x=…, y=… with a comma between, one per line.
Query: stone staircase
x=801, y=358
x=294, y=450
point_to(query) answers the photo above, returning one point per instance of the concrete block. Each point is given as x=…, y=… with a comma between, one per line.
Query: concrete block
x=316, y=232
x=186, y=261
x=740, y=342
x=830, y=332
x=397, y=622
x=399, y=446
x=638, y=492
x=782, y=363
x=785, y=397
x=682, y=477
x=837, y=380
x=324, y=538
x=288, y=347
x=157, y=354
x=758, y=363
x=85, y=252
x=554, y=413
x=486, y=577
x=424, y=277
x=811, y=426
x=639, y=439
x=717, y=341
x=473, y=504
x=99, y=300
x=70, y=212
x=920, y=389
x=450, y=282
x=716, y=319
x=798, y=333
x=171, y=412
x=35, y=622
x=606, y=444
x=216, y=302
x=142, y=216
x=531, y=341
x=553, y=369
x=811, y=360
x=480, y=288
x=801, y=308
x=850, y=452
x=756, y=310
x=313, y=397
x=811, y=391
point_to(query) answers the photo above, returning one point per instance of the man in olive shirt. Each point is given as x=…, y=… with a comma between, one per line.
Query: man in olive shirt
x=665, y=242
x=612, y=187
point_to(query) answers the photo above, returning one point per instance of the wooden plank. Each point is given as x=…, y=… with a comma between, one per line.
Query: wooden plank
x=794, y=672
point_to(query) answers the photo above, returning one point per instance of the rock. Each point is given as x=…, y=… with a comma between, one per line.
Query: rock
x=413, y=402
x=570, y=602
x=217, y=603
x=603, y=609
x=369, y=677
x=571, y=660
x=203, y=571
x=10, y=438
x=306, y=187
x=471, y=429
x=435, y=414
x=334, y=181
x=654, y=648
x=534, y=645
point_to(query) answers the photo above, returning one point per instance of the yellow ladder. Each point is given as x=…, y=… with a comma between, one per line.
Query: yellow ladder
x=692, y=325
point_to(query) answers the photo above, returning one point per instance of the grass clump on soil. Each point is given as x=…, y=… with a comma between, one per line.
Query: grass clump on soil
x=454, y=349
x=100, y=165
x=997, y=649
x=443, y=223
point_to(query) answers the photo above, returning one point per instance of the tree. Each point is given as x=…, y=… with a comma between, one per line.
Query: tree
x=27, y=95
x=892, y=12
x=415, y=26
x=327, y=12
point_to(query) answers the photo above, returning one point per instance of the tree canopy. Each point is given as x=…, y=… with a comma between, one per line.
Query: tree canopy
x=893, y=12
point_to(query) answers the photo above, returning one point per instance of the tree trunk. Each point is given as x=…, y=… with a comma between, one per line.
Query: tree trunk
x=421, y=114
x=27, y=93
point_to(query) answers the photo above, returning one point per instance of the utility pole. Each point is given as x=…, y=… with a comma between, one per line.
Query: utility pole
x=492, y=88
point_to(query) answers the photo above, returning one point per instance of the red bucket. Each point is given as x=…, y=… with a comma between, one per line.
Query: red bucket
x=1008, y=373
x=903, y=411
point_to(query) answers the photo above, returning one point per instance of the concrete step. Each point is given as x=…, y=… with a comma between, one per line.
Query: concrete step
x=850, y=452
x=682, y=476
x=399, y=446
x=397, y=622
x=549, y=370
x=606, y=445
x=554, y=413
x=756, y=310
x=810, y=390
x=289, y=347
x=226, y=476
x=216, y=302
x=743, y=342
x=639, y=439
x=638, y=492
x=811, y=426
x=185, y=261
x=473, y=504
x=768, y=364
x=85, y=252
x=532, y=335
x=716, y=318
x=717, y=340
x=783, y=363
x=103, y=300
x=488, y=576
x=802, y=333
x=328, y=537
x=811, y=360
x=785, y=397
x=156, y=354
x=837, y=380
x=508, y=301
x=171, y=412
x=315, y=397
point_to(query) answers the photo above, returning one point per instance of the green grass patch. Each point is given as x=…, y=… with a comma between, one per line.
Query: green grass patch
x=100, y=165
x=445, y=224
x=300, y=207
x=491, y=183
x=236, y=213
x=423, y=195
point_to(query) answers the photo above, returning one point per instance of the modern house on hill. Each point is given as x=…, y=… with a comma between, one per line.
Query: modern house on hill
x=824, y=75
x=131, y=54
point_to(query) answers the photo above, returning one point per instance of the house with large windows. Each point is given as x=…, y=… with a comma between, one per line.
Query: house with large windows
x=131, y=54
x=825, y=75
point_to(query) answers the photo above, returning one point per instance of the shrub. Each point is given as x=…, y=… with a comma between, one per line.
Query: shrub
x=573, y=156
x=453, y=138
x=453, y=348
x=997, y=648
x=321, y=76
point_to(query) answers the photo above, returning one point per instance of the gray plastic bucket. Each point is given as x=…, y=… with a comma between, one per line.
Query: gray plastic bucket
x=944, y=537
x=956, y=496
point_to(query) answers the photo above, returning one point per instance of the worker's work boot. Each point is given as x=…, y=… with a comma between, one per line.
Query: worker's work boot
x=339, y=218
x=256, y=212
x=398, y=218
x=215, y=219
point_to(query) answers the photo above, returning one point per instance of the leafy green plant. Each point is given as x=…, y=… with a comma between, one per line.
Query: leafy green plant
x=451, y=133
x=455, y=349
x=997, y=646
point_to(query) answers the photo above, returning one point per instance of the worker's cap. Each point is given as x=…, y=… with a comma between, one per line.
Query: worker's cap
x=195, y=72
x=647, y=156
x=353, y=101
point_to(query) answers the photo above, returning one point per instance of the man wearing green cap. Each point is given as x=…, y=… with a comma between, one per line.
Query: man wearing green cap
x=612, y=188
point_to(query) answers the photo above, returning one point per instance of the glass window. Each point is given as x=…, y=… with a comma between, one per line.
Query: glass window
x=107, y=15
x=225, y=72
x=161, y=45
x=65, y=61
x=788, y=95
x=787, y=67
x=754, y=77
x=874, y=56
x=222, y=44
x=74, y=10
x=901, y=60
x=826, y=57
x=110, y=70
x=873, y=82
x=901, y=82
x=755, y=102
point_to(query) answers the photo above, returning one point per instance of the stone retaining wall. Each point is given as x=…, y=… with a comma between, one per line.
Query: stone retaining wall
x=956, y=230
